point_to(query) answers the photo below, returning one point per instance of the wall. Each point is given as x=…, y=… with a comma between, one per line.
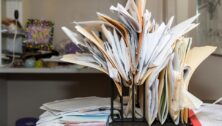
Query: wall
x=157, y=9
x=11, y=6
x=206, y=82
x=3, y=9
x=3, y=103
x=210, y=29
x=2, y=14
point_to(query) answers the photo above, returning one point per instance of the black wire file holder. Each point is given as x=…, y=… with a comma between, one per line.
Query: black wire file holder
x=135, y=103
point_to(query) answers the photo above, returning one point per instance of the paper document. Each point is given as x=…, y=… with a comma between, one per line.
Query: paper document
x=133, y=49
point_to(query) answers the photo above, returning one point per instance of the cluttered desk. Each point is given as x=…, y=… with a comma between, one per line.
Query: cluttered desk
x=153, y=62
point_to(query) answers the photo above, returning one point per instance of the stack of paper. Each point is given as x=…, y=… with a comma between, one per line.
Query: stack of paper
x=207, y=115
x=136, y=50
x=88, y=111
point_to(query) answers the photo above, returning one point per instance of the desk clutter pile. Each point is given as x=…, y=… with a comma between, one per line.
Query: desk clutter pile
x=139, y=53
x=95, y=111
x=88, y=111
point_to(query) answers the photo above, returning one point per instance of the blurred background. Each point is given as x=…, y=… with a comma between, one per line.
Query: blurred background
x=22, y=94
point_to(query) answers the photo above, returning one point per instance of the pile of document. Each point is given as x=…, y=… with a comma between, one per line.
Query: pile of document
x=207, y=114
x=87, y=111
x=135, y=50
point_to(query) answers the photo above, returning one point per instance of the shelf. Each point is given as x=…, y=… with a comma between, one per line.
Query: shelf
x=60, y=70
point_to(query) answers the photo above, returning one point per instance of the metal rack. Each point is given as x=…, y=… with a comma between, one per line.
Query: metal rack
x=135, y=103
x=142, y=120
